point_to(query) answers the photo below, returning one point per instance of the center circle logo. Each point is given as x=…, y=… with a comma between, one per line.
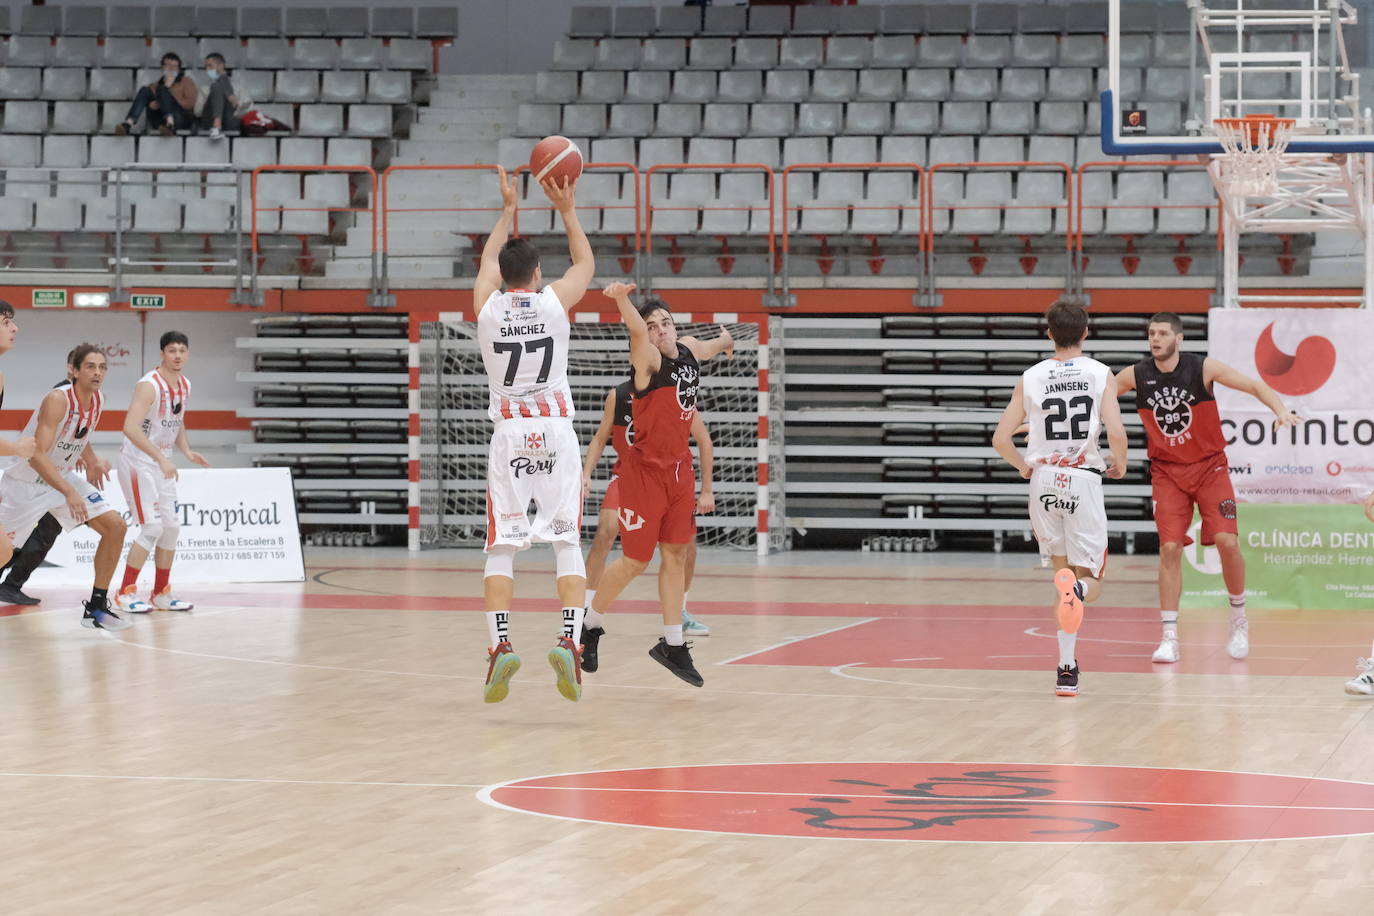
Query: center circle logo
x=1174, y=416
x=953, y=802
x=1333, y=468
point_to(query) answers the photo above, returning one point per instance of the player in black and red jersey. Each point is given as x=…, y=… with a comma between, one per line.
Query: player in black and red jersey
x=1188, y=467
x=656, y=485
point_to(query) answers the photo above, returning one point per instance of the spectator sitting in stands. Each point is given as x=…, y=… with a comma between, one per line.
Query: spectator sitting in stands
x=217, y=105
x=173, y=97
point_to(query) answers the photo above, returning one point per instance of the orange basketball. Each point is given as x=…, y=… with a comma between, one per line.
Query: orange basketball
x=557, y=158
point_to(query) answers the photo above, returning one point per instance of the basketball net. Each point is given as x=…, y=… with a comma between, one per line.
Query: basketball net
x=1252, y=148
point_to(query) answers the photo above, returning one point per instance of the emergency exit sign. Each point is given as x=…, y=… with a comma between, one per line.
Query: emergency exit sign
x=148, y=302
x=49, y=298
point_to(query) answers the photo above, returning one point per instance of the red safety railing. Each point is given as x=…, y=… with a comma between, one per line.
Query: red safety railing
x=370, y=209
x=721, y=167
x=1028, y=258
x=863, y=204
x=1130, y=259
x=631, y=245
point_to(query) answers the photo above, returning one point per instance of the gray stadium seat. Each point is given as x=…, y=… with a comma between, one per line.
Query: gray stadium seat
x=322, y=120
x=25, y=117
x=710, y=150
x=1034, y=50
x=589, y=22
x=855, y=149
x=1062, y=118
x=660, y=151
x=410, y=54
x=28, y=50
x=343, y=87
x=600, y=87
x=258, y=85
x=34, y=184
x=951, y=149
x=16, y=214
x=710, y=53
x=361, y=54
x=260, y=22
x=805, y=149
x=574, y=54
x=928, y=85
x=584, y=120
x=153, y=148
x=769, y=20
x=725, y=120
x=1181, y=214
x=757, y=151
x=305, y=21
x=987, y=51
x=346, y=21
x=868, y=118
x=76, y=51
x=1136, y=50
x=1070, y=84
x=216, y=21
x=635, y=21
x=393, y=21
x=126, y=52
x=538, y=120
x=1131, y=83
x=618, y=54
x=251, y=152
x=1032, y=19
x=203, y=150
x=940, y=51
x=297, y=86
x=1028, y=217
x=264, y=53
x=902, y=149
x=949, y=19
x=896, y=51
x=985, y=193
x=848, y=52
x=684, y=21
x=100, y=213
x=388, y=87
x=76, y=118
x=772, y=120
x=1082, y=51
x=904, y=19
x=741, y=86
x=157, y=216
x=1086, y=16
x=1023, y=84
x=694, y=86
x=555, y=87
x=173, y=20
x=916, y=118
x=363, y=121
x=350, y=151
x=177, y=186
x=64, y=151
x=877, y=85
x=300, y=151
x=801, y=53
x=813, y=20
x=628, y=121
x=40, y=20
x=729, y=21
x=967, y=118
x=313, y=53
x=786, y=85
x=1171, y=50
x=57, y=215
x=664, y=54
x=1052, y=149
x=1166, y=83
x=129, y=21
x=756, y=54
x=1140, y=192
x=974, y=85
x=839, y=85
x=1002, y=149
x=111, y=151
x=436, y=21
x=820, y=119
x=109, y=85
x=605, y=149
x=210, y=217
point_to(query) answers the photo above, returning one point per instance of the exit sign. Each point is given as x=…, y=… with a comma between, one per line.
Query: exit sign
x=49, y=298
x=148, y=302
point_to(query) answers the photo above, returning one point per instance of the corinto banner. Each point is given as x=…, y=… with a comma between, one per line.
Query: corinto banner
x=1321, y=363
x=237, y=525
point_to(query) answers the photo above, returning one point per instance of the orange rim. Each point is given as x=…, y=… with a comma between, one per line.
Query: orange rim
x=1251, y=125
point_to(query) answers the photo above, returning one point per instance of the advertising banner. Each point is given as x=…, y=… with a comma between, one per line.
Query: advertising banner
x=237, y=525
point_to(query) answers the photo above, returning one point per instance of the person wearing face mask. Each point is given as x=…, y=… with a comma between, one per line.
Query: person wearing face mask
x=218, y=103
x=169, y=102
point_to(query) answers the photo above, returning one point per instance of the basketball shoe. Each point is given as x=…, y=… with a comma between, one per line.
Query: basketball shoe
x=1362, y=684
x=1167, y=653
x=128, y=602
x=500, y=669
x=12, y=594
x=1066, y=681
x=1070, y=610
x=164, y=601
x=563, y=658
x=1238, y=646
x=591, y=639
x=102, y=618
x=677, y=659
x=691, y=626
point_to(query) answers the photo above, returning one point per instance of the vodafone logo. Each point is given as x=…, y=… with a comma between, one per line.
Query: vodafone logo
x=1301, y=373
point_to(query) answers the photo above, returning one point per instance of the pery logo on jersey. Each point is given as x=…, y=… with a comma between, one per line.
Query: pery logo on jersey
x=1173, y=411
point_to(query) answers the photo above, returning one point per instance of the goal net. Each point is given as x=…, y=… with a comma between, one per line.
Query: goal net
x=455, y=431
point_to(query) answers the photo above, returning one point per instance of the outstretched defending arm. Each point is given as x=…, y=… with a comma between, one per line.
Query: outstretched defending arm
x=572, y=286
x=489, y=273
x=1116, y=431
x=644, y=356
x=1012, y=417
x=707, y=349
x=1215, y=371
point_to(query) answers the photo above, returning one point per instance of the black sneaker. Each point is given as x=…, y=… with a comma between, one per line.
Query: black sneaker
x=677, y=659
x=102, y=618
x=591, y=636
x=1066, y=684
x=10, y=594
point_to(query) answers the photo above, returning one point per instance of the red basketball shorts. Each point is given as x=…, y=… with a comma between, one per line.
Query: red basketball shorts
x=610, y=502
x=657, y=506
x=1176, y=488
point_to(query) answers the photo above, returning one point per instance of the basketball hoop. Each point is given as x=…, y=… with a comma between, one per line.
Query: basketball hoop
x=1253, y=147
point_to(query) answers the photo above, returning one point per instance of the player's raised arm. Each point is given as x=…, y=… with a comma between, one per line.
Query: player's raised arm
x=489, y=273
x=706, y=450
x=644, y=356
x=572, y=286
x=1116, y=430
x=598, y=443
x=1125, y=381
x=1215, y=371
x=1012, y=417
x=707, y=349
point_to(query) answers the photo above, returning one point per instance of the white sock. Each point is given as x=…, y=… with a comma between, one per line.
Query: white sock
x=1237, y=605
x=673, y=635
x=572, y=623
x=1170, y=621
x=590, y=599
x=591, y=618
x=498, y=627
x=1066, y=646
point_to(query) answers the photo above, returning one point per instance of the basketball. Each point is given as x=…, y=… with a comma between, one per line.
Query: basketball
x=557, y=158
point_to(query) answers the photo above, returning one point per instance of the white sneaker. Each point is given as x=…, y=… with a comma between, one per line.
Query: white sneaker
x=130, y=603
x=1363, y=683
x=1167, y=653
x=216, y=134
x=691, y=626
x=1238, y=646
x=164, y=601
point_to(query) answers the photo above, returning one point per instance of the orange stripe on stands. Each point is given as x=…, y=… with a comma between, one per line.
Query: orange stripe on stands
x=218, y=420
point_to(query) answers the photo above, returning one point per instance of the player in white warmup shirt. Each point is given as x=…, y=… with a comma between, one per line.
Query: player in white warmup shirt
x=522, y=331
x=62, y=427
x=1067, y=400
x=153, y=427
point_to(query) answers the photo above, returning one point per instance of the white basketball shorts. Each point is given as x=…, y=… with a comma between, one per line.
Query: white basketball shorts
x=150, y=495
x=1068, y=516
x=534, y=459
x=23, y=503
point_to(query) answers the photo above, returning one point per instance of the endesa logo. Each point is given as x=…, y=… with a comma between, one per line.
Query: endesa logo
x=1301, y=373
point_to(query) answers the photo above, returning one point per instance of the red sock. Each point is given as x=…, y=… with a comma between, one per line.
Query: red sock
x=130, y=577
x=160, y=577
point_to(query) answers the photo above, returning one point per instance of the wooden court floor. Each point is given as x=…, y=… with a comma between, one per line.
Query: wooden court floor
x=877, y=734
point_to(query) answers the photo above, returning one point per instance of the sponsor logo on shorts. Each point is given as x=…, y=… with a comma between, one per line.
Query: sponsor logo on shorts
x=1050, y=501
x=510, y=516
x=562, y=526
x=1228, y=508
x=631, y=520
x=1063, y=481
x=534, y=441
x=526, y=467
